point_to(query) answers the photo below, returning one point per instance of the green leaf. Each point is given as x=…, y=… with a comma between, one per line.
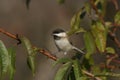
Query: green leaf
x=31, y=53
x=117, y=18
x=4, y=59
x=110, y=50
x=89, y=44
x=88, y=8
x=75, y=22
x=71, y=74
x=75, y=31
x=101, y=6
x=96, y=69
x=84, y=78
x=105, y=74
x=28, y=45
x=31, y=63
x=60, y=75
x=61, y=1
x=87, y=63
x=62, y=60
x=100, y=33
x=12, y=56
x=77, y=71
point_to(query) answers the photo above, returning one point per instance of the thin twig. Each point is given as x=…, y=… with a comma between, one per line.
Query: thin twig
x=112, y=34
x=42, y=51
x=8, y=34
x=91, y=75
x=96, y=10
x=46, y=53
x=115, y=2
x=111, y=58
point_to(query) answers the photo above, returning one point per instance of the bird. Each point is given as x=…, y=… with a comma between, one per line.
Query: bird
x=62, y=41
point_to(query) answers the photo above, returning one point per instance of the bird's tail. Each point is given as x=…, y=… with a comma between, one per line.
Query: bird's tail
x=78, y=50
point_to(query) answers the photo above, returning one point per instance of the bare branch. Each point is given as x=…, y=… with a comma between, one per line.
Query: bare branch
x=91, y=75
x=42, y=51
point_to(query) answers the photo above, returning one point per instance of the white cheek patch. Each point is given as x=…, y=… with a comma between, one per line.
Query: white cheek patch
x=61, y=34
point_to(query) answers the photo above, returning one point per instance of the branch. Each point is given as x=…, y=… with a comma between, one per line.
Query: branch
x=91, y=75
x=10, y=35
x=113, y=35
x=46, y=53
x=115, y=2
x=96, y=10
x=42, y=51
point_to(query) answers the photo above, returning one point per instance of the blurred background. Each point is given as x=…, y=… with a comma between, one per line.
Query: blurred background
x=37, y=24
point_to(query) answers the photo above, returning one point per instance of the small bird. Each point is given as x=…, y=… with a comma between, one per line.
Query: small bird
x=62, y=42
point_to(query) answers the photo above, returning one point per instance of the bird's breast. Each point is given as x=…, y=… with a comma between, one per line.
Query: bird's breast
x=63, y=44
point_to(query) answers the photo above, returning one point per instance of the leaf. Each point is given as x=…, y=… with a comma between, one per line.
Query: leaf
x=77, y=71
x=100, y=33
x=31, y=53
x=31, y=63
x=110, y=50
x=62, y=71
x=75, y=31
x=88, y=8
x=117, y=18
x=62, y=60
x=82, y=15
x=105, y=74
x=75, y=22
x=4, y=59
x=101, y=6
x=71, y=74
x=89, y=44
x=28, y=45
x=84, y=78
x=61, y=1
x=27, y=3
x=96, y=69
x=12, y=56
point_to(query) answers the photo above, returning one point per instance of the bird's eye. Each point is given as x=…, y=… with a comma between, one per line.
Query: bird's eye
x=56, y=37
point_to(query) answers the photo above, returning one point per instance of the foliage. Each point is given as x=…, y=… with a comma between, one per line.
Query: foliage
x=31, y=53
x=8, y=58
x=96, y=43
x=7, y=61
x=95, y=40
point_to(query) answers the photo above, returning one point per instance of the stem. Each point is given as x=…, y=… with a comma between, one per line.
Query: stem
x=91, y=75
x=42, y=51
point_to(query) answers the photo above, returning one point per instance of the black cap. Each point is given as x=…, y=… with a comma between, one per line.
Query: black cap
x=58, y=31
